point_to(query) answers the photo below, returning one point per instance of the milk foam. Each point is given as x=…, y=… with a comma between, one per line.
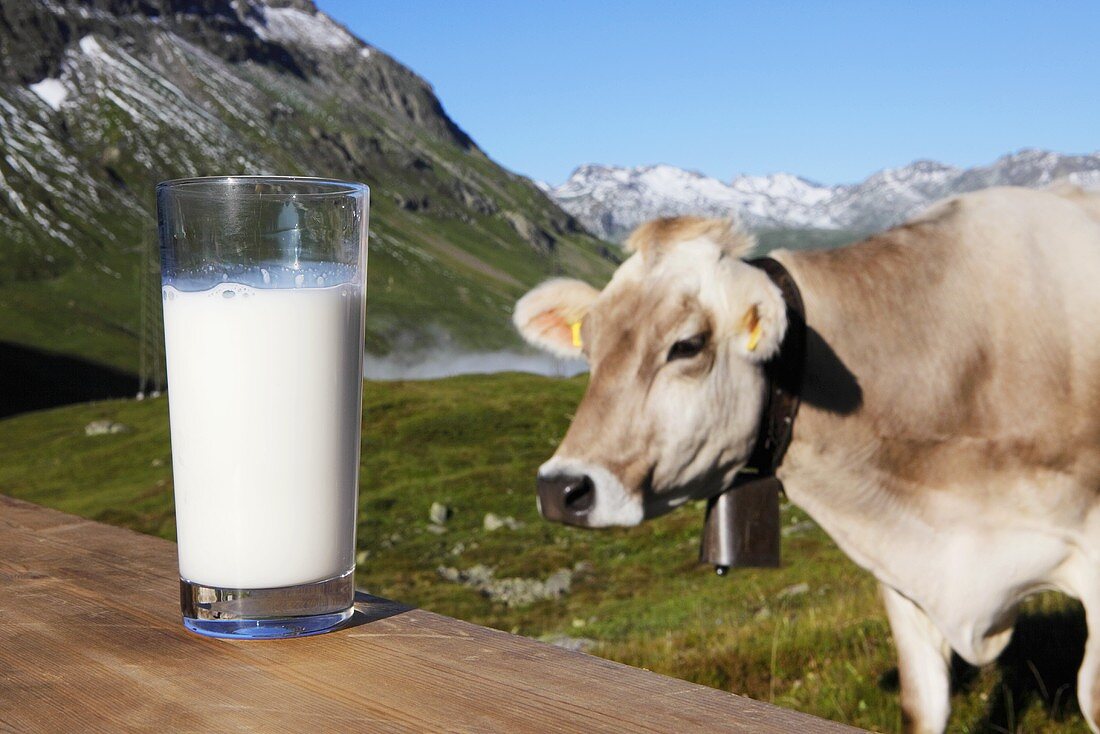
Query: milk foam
x=265, y=398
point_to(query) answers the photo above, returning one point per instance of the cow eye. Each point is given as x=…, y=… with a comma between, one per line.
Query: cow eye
x=687, y=348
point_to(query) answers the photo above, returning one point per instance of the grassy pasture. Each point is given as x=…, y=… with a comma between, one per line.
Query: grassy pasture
x=810, y=635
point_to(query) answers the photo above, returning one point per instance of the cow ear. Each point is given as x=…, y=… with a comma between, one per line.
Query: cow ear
x=763, y=323
x=550, y=315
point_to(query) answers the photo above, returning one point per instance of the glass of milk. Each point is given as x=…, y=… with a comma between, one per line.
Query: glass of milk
x=263, y=282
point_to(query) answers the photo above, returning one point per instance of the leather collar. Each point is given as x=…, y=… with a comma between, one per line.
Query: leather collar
x=784, y=373
x=742, y=522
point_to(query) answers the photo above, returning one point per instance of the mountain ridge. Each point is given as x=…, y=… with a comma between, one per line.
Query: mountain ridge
x=100, y=101
x=612, y=200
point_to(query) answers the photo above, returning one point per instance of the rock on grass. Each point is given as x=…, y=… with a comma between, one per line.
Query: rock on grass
x=494, y=521
x=439, y=513
x=104, y=427
x=513, y=592
x=576, y=644
x=793, y=590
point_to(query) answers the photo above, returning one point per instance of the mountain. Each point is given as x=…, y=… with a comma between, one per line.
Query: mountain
x=611, y=201
x=101, y=100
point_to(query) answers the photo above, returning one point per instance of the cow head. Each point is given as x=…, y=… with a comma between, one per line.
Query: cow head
x=676, y=344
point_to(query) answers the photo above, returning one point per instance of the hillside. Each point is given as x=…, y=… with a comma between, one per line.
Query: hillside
x=610, y=200
x=811, y=635
x=99, y=101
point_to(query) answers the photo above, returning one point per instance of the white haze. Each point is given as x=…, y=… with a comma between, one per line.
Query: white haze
x=447, y=363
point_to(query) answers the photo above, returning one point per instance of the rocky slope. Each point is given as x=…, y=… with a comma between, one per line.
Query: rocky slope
x=100, y=100
x=610, y=201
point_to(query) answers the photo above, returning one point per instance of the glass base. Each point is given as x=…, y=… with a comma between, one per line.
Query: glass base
x=266, y=614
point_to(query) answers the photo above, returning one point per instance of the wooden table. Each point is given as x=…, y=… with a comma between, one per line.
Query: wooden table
x=90, y=640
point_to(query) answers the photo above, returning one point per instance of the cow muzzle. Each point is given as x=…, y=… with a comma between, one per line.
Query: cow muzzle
x=566, y=498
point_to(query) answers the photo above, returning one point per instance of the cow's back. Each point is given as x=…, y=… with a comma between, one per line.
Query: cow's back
x=1035, y=259
x=974, y=333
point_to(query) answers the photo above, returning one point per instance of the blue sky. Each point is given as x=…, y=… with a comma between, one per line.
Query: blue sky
x=829, y=90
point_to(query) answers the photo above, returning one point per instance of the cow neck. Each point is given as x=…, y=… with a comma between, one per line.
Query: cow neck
x=783, y=374
x=742, y=523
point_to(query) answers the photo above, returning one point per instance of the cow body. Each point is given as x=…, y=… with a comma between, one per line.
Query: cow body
x=969, y=474
x=949, y=435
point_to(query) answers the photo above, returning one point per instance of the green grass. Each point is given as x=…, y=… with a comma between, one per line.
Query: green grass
x=474, y=443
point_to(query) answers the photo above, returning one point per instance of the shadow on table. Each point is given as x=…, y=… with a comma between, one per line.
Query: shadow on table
x=370, y=608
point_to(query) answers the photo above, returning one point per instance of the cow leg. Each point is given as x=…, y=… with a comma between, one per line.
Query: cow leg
x=1088, y=675
x=923, y=665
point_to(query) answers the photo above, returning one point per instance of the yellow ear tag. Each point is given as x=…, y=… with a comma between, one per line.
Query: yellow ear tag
x=754, y=337
x=575, y=327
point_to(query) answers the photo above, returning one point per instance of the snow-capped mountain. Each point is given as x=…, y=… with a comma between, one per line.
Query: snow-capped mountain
x=610, y=201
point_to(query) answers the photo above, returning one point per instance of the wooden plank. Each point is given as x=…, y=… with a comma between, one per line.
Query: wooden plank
x=90, y=640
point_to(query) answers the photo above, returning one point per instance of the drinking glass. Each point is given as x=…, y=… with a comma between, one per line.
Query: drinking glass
x=263, y=281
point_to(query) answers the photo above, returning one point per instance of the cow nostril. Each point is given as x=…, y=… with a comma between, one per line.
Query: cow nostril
x=580, y=495
x=566, y=497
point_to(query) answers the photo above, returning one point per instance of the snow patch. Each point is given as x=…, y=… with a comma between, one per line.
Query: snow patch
x=611, y=201
x=89, y=46
x=1085, y=179
x=297, y=27
x=51, y=91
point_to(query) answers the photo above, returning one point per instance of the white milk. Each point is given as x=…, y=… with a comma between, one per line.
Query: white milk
x=265, y=398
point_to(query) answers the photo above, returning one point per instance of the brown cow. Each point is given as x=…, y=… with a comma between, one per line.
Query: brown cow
x=949, y=435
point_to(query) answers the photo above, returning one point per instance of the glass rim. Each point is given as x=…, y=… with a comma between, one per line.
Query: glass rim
x=206, y=185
